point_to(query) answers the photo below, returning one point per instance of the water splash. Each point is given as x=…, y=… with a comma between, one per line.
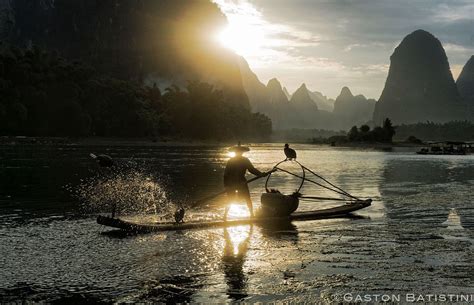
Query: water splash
x=131, y=189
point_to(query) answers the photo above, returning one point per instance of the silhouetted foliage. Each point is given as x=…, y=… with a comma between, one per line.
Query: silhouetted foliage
x=413, y=140
x=140, y=40
x=337, y=140
x=364, y=128
x=378, y=134
x=43, y=94
x=389, y=130
x=353, y=134
x=430, y=131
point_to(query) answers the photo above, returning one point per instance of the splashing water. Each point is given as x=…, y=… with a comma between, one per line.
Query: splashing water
x=132, y=191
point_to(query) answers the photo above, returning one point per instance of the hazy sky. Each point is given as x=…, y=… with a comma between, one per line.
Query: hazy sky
x=328, y=44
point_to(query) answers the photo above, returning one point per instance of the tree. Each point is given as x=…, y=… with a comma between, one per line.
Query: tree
x=17, y=116
x=364, y=128
x=44, y=94
x=414, y=140
x=378, y=134
x=353, y=134
x=389, y=130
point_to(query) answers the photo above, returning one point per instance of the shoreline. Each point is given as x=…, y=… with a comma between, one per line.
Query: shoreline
x=112, y=141
x=105, y=141
x=380, y=145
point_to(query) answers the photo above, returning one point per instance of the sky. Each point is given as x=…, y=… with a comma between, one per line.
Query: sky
x=328, y=44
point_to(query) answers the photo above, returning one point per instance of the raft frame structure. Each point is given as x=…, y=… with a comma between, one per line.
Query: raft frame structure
x=137, y=228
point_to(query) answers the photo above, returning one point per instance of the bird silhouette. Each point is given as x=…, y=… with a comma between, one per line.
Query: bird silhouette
x=289, y=152
x=103, y=160
x=179, y=215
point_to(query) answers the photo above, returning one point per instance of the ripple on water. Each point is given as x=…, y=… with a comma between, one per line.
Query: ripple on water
x=402, y=244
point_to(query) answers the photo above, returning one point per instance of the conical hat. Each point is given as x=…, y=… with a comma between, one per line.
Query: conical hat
x=239, y=148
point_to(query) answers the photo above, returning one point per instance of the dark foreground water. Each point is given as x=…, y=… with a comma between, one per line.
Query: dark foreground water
x=417, y=237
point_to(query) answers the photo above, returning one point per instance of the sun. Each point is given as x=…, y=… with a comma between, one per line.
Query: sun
x=244, y=39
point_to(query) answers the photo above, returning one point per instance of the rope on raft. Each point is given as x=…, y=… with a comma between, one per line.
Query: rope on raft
x=332, y=187
x=331, y=184
x=310, y=198
x=303, y=178
x=337, y=190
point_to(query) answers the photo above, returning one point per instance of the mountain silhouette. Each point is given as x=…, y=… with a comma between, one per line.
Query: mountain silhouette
x=256, y=91
x=305, y=107
x=280, y=111
x=164, y=42
x=270, y=100
x=276, y=94
x=419, y=86
x=465, y=84
x=302, y=99
x=350, y=109
x=322, y=101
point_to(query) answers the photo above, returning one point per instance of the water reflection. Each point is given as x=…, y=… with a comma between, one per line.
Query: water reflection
x=453, y=228
x=415, y=188
x=237, y=241
x=454, y=220
x=407, y=247
x=280, y=229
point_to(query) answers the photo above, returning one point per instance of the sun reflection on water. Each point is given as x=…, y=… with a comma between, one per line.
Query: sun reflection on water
x=238, y=211
x=237, y=239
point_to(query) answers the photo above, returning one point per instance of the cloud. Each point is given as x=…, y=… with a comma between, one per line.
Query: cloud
x=332, y=43
x=455, y=11
x=452, y=47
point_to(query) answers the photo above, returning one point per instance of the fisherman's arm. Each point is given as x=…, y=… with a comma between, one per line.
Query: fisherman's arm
x=254, y=171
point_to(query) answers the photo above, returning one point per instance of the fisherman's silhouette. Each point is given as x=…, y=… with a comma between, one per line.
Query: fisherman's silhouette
x=233, y=264
x=234, y=178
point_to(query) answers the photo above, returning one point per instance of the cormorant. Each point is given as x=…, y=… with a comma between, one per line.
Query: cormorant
x=179, y=215
x=289, y=152
x=103, y=160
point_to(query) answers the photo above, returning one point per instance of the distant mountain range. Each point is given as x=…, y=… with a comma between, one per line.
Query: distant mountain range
x=419, y=88
x=355, y=110
x=304, y=108
x=136, y=41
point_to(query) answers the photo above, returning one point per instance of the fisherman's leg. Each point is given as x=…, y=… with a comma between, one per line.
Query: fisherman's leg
x=226, y=211
x=250, y=206
x=246, y=195
x=230, y=197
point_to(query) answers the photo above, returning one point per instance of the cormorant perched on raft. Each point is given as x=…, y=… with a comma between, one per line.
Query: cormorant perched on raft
x=290, y=153
x=103, y=160
x=179, y=215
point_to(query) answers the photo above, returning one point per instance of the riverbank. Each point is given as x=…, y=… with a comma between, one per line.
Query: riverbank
x=102, y=141
x=378, y=145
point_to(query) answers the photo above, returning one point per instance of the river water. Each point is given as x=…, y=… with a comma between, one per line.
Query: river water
x=417, y=237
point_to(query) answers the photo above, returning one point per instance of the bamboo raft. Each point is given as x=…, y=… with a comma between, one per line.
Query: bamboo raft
x=296, y=216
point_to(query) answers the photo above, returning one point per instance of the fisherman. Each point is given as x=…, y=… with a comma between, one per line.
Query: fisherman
x=234, y=177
